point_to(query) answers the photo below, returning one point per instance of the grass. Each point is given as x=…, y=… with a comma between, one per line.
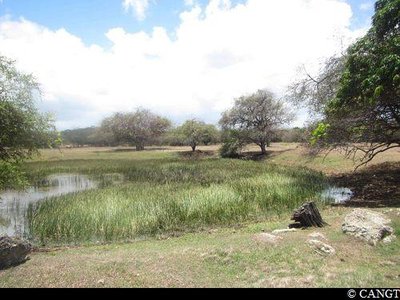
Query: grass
x=195, y=223
x=167, y=195
x=225, y=257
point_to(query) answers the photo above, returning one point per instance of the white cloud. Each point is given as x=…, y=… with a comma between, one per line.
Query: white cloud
x=219, y=53
x=186, y=2
x=138, y=6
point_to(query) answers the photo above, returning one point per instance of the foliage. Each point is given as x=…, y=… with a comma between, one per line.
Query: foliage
x=257, y=117
x=92, y=136
x=292, y=135
x=139, y=128
x=315, y=92
x=232, y=144
x=11, y=176
x=23, y=129
x=194, y=133
x=366, y=108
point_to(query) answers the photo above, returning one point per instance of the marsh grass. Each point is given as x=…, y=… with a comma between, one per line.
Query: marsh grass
x=166, y=195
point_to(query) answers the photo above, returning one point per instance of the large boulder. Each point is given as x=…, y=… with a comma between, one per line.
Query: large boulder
x=13, y=252
x=367, y=225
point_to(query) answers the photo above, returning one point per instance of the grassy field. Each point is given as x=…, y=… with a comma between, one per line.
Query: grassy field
x=164, y=192
x=225, y=257
x=193, y=222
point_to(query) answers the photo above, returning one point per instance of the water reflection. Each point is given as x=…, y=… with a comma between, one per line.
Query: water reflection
x=337, y=195
x=14, y=204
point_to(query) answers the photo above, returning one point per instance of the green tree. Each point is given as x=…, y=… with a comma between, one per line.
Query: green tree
x=257, y=117
x=23, y=129
x=194, y=133
x=140, y=128
x=365, y=114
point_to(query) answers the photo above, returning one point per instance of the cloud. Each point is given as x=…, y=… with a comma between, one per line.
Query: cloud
x=186, y=2
x=138, y=6
x=218, y=53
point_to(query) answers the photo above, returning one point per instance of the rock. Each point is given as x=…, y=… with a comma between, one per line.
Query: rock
x=321, y=248
x=13, y=252
x=317, y=236
x=277, y=231
x=389, y=239
x=267, y=238
x=101, y=281
x=367, y=225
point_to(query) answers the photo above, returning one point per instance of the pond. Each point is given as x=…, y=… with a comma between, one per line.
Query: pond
x=14, y=204
x=337, y=195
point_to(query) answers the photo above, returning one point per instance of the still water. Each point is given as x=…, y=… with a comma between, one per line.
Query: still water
x=14, y=204
x=337, y=195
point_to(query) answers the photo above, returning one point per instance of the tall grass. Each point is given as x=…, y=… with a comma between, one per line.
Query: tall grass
x=168, y=194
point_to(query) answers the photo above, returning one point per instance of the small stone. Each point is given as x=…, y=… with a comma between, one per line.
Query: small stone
x=278, y=231
x=317, y=236
x=101, y=281
x=389, y=239
x=321, y=248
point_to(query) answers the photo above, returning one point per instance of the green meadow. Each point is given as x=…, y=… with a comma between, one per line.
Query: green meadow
x=164, y=192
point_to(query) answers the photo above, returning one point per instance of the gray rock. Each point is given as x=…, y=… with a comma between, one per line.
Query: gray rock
x=317, y=236
x=267, y=238
x=367, y=225
x=321, y=248
x=13, y=252
x=389, y=239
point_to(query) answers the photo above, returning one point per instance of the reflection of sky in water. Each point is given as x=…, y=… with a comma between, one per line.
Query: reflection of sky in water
x=337, y=195
x=14, y=205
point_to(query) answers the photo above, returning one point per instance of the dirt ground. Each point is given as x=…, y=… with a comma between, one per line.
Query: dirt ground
x=374, y=186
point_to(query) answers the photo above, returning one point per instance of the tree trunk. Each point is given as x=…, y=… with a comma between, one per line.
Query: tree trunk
x=194, y=148
x=263, y=147
x=307, y=216
x=139, y=147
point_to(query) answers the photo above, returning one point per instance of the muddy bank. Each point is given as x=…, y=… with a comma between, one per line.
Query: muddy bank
x=373, y=186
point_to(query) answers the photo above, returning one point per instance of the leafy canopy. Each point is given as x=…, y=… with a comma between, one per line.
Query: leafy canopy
x=23, y=129
x=195, y=132
x=139, y=128
x=366, y=108
x=257, y=117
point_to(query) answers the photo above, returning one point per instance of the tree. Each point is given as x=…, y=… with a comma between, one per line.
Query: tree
x=364, y=115
x=315, y=92
x=211, y=135
x=194, y=133
x=23, y=129
x=92, y=136
x=139, y=128
x=257, y=117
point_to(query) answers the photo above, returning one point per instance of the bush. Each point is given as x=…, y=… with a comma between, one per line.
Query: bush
x=232, y=145
x=11, y=176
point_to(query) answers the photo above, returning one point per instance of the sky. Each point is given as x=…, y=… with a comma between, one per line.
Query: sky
x=182, y=59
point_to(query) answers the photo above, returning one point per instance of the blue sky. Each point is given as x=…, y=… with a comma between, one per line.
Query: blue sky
x=90, y=19
x=114, y=26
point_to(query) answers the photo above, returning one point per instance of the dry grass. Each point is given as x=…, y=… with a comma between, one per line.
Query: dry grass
x=224, y=257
